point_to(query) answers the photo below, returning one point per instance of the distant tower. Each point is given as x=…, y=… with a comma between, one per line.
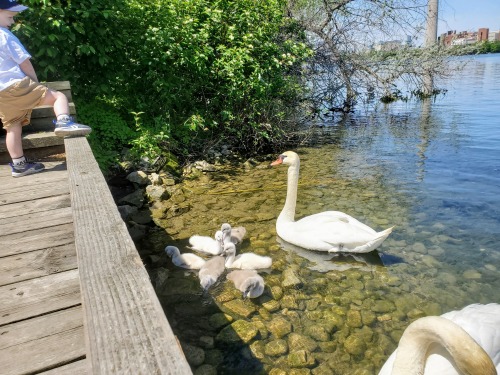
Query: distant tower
x=432, y=18
x=430, y=40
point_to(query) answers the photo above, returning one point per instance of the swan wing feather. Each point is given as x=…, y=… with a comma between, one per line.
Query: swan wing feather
x=330, y=231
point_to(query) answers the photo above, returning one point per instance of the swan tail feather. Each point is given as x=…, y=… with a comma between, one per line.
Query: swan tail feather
x=374, y=243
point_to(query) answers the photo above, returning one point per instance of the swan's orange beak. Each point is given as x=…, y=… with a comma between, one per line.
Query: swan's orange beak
x=278, y=161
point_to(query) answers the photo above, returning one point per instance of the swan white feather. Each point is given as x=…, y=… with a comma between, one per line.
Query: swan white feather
x=459, y=342
x=206, y=244
x=245, y=261
x=186, y=260
x=331, y=231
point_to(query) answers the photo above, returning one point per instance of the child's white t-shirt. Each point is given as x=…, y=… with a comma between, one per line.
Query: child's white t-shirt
x=12, y=53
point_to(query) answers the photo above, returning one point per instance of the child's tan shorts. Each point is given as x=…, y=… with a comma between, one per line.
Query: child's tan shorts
x=18, y=100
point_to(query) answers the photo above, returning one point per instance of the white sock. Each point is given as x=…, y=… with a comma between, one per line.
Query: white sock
x=63, y=117
x=18, y=161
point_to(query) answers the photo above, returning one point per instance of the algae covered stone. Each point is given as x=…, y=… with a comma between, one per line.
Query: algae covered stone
x=239, y=307
x=354, y=319
x=300, y=342
x=219, y=320
x=290, y=279
x=301, y=358
x=279, y=327
x=276, y=348
x=354, y=344
x=257, y=348
x=240, y=331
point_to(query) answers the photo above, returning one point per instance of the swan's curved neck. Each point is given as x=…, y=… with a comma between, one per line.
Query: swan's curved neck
x=230, y=259
x=288, y=211
x=414, y=345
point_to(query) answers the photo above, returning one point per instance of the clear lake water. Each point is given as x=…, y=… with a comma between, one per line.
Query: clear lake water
x=430, y=169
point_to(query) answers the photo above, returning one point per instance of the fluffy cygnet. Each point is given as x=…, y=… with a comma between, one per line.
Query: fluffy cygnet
x=207, y=244
x=211, y=270
x=246, y=261
x=249, y=282
x=186, y=260
x=234, y=235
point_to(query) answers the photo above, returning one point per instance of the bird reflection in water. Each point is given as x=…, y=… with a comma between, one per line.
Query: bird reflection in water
x=324, y=262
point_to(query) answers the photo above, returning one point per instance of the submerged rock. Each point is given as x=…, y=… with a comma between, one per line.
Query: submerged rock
x=194, y=355
x=205, y=369
x=471, y=275
x=301, y=358
x=240, y=331
x=290, y=279
x=276, y=348
x=300, y=342
x=239, y=307
x=355, y=344
x=219, y=320
x=279, y=327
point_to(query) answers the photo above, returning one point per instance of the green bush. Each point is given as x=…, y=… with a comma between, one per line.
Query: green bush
x=201, y=71
x=110, y=132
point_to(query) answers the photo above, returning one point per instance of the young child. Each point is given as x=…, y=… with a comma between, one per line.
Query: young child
x=20, y=92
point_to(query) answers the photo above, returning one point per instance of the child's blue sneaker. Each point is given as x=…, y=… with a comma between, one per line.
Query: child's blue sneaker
x=26, y=168
x=66, y=127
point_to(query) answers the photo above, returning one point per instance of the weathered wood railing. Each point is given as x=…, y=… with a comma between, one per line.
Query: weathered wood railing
x=126, y=328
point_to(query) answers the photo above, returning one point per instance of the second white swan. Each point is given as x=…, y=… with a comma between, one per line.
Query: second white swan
x=466, y=341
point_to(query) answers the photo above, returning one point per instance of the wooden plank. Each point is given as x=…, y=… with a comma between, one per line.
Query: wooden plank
x=39, y=205
x=46, y=180
x=58, y=85
x=74, y=368
x=38, y=263
x=42, y=191
x=36, y=239
x=43, y=342
x=35, y=220
x=47, y=111
x=115, y=285
x=62, y=86
x=39, y=296
x=36, y=140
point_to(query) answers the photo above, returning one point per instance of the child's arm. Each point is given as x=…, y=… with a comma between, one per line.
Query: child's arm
x=28, y=69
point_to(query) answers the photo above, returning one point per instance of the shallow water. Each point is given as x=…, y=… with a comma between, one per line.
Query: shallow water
x=431, y=169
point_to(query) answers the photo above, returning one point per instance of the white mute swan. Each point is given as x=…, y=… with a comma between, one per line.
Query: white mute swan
x=246, y=261
x=458, y=342
x=206, y=244
x=211, y=270
x=234, y=235
x=331, y=231
x=249, y=282
x=186, y=260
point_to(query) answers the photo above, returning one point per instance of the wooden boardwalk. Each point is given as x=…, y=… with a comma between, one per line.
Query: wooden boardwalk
x=74, y=294
x=41, y=319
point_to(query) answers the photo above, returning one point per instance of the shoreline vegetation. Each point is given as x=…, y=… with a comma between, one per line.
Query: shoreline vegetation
x=162, y=83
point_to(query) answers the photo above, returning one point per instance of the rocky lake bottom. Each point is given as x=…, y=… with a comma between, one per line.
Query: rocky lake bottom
x=320, y=313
